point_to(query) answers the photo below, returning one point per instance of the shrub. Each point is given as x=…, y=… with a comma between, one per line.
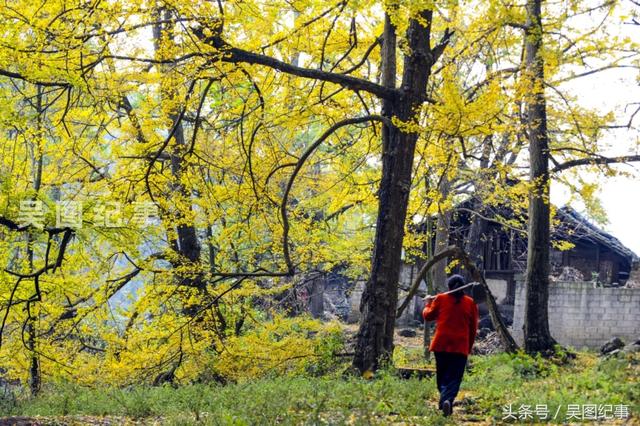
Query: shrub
x=283, y=346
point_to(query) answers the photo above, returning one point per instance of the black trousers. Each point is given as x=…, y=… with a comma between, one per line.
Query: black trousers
x=449, y=372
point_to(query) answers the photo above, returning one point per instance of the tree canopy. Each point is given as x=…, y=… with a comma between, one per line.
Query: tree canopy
x=172, y=170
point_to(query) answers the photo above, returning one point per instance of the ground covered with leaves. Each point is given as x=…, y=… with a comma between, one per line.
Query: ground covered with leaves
x=491, y=384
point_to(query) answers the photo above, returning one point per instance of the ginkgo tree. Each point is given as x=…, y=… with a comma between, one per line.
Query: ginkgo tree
x=491, y=152
x=225, y=152
x=208, y=147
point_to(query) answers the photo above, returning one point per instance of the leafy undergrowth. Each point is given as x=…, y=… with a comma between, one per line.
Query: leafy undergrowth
x=491, y=383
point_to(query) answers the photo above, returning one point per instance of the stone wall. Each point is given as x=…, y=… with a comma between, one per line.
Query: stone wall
x=581, y=316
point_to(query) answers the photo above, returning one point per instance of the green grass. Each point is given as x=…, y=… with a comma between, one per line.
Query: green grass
x=286, y=401
x=518, y=380
x=492, y=382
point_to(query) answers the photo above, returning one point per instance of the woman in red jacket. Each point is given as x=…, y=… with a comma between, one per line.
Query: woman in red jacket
x=456, y=317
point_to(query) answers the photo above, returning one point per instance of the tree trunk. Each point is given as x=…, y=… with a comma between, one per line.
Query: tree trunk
x=443, y=224
x=35, y=379
x=478, y=226
x=428, y=325
x=537, y=337
x=379, y=299
x=186, y=241
x=35, y=373
x=476, y=235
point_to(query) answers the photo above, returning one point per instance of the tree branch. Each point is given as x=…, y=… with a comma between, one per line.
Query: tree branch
x=298, y=167
x=438, y=50
x=235, y=55
x=595, y=161
x=18, y=76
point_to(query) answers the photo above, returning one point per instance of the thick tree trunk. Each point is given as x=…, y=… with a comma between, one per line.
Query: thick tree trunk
x=379, y=299
x=537, y=337
x=188, y=243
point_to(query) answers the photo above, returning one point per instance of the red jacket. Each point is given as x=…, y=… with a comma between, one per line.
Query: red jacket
x=456, y=323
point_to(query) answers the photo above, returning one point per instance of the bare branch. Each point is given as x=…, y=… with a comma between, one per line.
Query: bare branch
x=438, y=50
x=595, y=161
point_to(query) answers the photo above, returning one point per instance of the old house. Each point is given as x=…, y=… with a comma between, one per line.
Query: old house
x=591, y=255
x=577, y=244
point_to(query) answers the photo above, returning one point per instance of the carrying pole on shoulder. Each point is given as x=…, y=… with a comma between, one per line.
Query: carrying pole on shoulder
x=471, y=284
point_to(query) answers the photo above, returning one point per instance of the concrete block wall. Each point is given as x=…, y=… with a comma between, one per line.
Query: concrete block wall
x=581, y=316
x=354, y=301
x=410, y=315
x=407, y=318
x=498, y=288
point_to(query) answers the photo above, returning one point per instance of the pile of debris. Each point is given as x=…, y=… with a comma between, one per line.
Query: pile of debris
x=487, y=342
x=632, y=284
x=567, y=274
x=634, y=279
x=506, y=312
x=616, y=346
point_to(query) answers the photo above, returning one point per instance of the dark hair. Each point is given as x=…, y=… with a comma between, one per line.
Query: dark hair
x=453, y=282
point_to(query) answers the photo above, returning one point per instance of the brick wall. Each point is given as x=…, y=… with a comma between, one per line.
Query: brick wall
x=581, y=316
